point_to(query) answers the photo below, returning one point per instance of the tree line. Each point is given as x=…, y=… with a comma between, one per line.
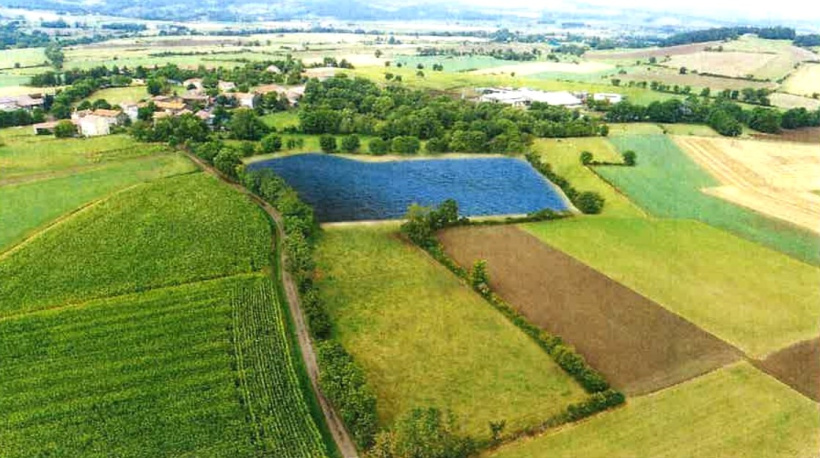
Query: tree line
x=359, y=106
x=729, y=33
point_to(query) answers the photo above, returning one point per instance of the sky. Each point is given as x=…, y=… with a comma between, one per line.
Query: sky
x=759, y=9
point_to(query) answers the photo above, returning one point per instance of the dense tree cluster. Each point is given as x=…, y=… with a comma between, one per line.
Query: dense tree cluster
x=723, y=115
x=424, y=433
x=12, y=36
x=806, y=41
x=20, y=117
x=729, y=33
x=402, y=117
x=174, y=130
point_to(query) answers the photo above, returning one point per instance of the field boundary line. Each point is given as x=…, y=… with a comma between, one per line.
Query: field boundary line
x=337, y=428
x=645, y=213
x=39, y=231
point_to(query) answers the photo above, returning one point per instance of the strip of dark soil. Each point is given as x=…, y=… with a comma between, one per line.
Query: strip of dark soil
x=637, y=344
x=797, y=366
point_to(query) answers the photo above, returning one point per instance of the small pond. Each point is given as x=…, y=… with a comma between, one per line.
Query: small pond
x=341, y=189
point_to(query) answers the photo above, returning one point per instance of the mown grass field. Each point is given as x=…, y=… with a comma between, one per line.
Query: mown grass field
x=753, y=297
x=667, y=183
x=25, y=57
x=28, y=206
x=734, y=412
x=117, y=95
x=164, y=233
x=424, y=339
x=26, y=154
x=564, y=156
x=804, y=81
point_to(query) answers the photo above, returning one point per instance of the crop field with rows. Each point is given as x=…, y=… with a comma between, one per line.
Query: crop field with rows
x=168, y=232
x=268, y=377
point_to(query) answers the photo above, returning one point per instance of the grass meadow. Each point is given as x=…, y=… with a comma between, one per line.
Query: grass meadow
x=425, y=339
x=171, y=231
x=118, y=95
x=752, y=297
x=733, y=412
x=24, y=154
x=564, y=156
x=667, y=183
x=28, y=206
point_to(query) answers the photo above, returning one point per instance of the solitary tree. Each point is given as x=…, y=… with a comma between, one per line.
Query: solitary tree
x=630, y=158
x=586, y=158
x=65, y=129
x=350, y=144
x=328, y=143
x=479, y=278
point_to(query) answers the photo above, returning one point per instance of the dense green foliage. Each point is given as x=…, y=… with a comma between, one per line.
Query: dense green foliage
x=142, y=375
x=723, y=115
x=667, y=183
x=403, y=116
x=196, y=229
x=424, y=433
x=729, y=33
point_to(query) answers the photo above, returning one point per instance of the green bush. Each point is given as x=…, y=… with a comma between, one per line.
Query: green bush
x=378, y=147
x=589, y=202
x=226, y=162
x=586, y=158
x=405, y=145
x=630, y=158
x=271, y=143
x=350, y=144
x=328, y=143
x=65, y=129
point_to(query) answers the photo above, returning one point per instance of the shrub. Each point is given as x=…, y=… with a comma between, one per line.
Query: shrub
x=65, y=129
x=271, y=143
x=350, y=144
x=406, y=145
x=378, y=147
x=328, y=143
x=589, y=202
x=479, y=277
x=630, y=158
x=226, y=162
x=246, y=125
x=436, y=145
x=586, y=158
x=424, y=433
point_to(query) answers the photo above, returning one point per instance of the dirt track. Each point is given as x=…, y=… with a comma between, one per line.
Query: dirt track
x=775, y=179
x=797, y=366
x=637, y=344
x=334, y=423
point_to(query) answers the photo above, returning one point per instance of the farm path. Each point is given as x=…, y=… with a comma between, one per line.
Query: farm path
x=334, y=423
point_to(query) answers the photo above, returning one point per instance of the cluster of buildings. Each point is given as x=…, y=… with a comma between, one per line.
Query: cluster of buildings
x=22, y=102
x=194, y=101
x=524, y=97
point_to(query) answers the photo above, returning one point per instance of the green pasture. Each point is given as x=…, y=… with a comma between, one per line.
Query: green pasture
x=753, y=297
x=118, y=95
x=452, y=64
x=564, y=157
x=425, y=339
x=167, y=232
x=29, y=205
x=23, y=57
x=734, y=412
x=25, y=155
x=667, y=183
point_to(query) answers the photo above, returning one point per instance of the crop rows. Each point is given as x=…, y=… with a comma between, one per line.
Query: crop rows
x=268, y=378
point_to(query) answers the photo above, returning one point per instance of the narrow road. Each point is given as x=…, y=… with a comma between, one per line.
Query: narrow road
x=334, y=423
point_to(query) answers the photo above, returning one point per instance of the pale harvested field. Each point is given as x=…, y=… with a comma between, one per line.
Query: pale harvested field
x=532, y=68
x=787, y=101
x=651, y=52
x=804, y=81
x=776, y=179
x=737, y=64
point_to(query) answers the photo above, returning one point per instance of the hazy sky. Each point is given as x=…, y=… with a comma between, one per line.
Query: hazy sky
x=779, y=9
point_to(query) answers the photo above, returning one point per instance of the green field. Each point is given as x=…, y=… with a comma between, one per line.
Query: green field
x=118, y=95
x=25, y=154
x=25, y=57
x=29, y=205
x=424, y=339
x=667, y=183
x=734, y=412
x=451, y=64
x=281, y=119
x=750, y=296
x=168, y=232
x=564, y=156
x=151, y=374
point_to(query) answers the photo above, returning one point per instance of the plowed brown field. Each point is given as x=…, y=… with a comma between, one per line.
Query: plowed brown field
x=637, y=344
x=775, y=179
x=797, y=366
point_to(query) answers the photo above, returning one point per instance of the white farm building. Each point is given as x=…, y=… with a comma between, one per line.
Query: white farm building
x=525, y=97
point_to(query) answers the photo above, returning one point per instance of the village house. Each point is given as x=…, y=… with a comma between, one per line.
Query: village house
x=293, y=93
x=97, y=122
x=611, y=98
x=195, y=98
x=21, y=102
x=132, y=110
x=193, y=83
x=225, y=86
x=44, y=128
x=245, y=99
x=525, y=97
